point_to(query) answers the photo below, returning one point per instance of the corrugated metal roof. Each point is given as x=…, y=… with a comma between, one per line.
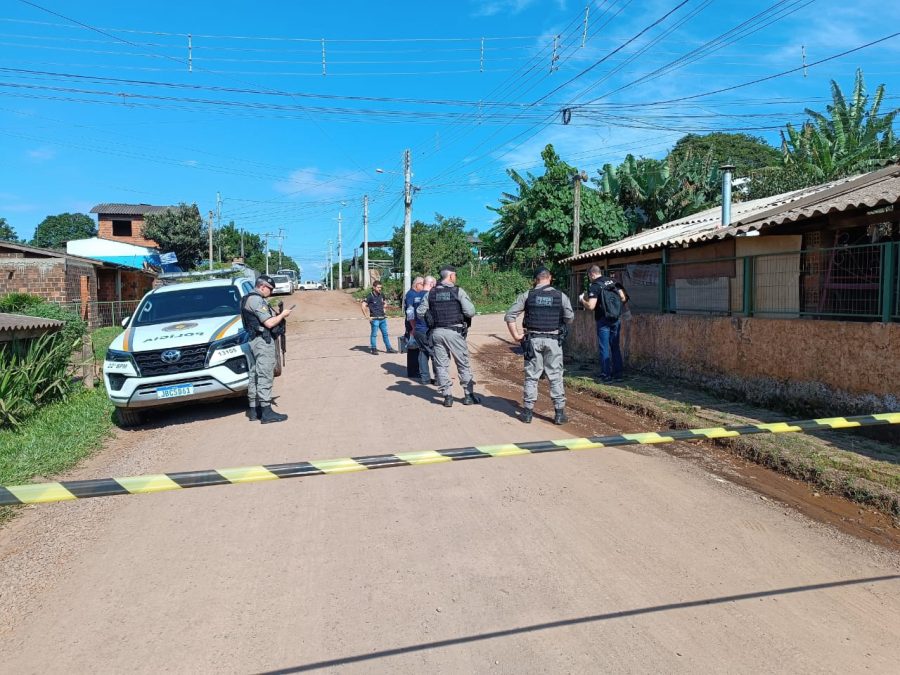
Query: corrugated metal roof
x=14, y=322
x=129, y=209
x=874, y=189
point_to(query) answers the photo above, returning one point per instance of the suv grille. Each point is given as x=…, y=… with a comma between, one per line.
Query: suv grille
x=151, y=363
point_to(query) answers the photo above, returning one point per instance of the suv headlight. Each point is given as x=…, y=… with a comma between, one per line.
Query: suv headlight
x=120, y=363
x=227, y=348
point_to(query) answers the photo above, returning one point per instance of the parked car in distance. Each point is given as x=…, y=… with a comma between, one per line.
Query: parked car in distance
x=283, y=284
x=311, y=286
x=292, y=274
x=185, y=342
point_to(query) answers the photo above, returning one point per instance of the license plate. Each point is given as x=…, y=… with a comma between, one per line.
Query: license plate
x=175, y=390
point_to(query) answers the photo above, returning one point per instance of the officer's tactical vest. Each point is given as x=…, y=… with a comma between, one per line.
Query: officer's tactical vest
x=252, y=324
x=543, y=310
x=445, y=307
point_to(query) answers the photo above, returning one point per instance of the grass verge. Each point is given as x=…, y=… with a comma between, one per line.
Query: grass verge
x=101, y=339
x=864, y=471
x=54, y=439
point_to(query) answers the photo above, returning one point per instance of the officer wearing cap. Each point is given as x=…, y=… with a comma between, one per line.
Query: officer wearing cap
x=448, y=311
x=260, y=320
x=547, y=311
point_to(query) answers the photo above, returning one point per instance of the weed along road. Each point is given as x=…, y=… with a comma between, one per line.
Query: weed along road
x=620, y=559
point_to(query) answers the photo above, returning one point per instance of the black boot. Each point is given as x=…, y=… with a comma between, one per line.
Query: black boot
x=527, y=415
x=253, y=413
x=448, y=401
x=560, y=417
x=267, y=415
x=471, y=398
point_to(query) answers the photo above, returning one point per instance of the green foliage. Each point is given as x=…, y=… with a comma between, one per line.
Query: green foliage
x=534, y=225
x=180, y=231
x=64, y=432
x=101, y=338
x=746, y=152
x=779, y=179
x=33, y=305
x=443, y=242
x=492, y=290
x=8, y=232
x=33, y=373
x=55, y=231
x=652, y=191
x=851, y=136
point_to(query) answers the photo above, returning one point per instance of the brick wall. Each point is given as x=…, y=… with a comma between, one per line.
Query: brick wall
x=134, y=285
x=105, y=230
x=45, y=277
x=798, y=359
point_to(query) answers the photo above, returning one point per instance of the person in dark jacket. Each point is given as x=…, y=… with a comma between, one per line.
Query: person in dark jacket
x=373, y=308
x=608, y=327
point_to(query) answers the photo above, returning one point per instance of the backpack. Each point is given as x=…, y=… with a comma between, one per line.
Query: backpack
x=612, y=303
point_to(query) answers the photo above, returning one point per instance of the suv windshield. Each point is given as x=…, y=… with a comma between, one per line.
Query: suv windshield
x=280, y=279
x=190, y=303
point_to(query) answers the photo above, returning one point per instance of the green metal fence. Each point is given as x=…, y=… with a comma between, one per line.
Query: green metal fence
x=849, y=283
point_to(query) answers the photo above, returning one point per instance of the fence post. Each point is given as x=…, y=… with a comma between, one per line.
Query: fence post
x=888, y=280
x=748, y=286
x=663, y=283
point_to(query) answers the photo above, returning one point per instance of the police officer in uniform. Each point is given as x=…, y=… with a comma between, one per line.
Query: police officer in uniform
x=547, y=311
x=448, y=311
x=260, y=320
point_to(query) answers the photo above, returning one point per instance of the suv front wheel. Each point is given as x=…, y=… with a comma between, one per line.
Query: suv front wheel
x=128, y=417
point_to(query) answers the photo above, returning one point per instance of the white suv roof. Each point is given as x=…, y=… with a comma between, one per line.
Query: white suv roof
x=212, y=283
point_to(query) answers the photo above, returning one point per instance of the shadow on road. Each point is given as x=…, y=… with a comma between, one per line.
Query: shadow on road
x=563, y=623
x=411, y=387
x=187, y=414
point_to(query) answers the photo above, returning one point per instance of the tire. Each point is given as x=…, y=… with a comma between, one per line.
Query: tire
x=129, y=417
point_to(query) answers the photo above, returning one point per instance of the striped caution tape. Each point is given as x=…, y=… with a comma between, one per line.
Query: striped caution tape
x=38, y=493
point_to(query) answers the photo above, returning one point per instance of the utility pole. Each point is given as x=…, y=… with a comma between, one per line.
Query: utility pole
x=242, y=245
x=407, y=216
x=219, y=222
x=576, y=224
x=330, y=266
x=267, y=253
x=280, y=245
x=365, y=241
x=340, y=254
x=210, y=240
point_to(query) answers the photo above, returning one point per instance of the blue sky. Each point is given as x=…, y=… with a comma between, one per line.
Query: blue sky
x=107, y=104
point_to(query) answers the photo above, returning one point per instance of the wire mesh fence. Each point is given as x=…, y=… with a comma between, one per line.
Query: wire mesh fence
x=848, y=282
x=102, y=314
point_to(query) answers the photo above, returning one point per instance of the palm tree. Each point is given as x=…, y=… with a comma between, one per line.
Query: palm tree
x=850, y=137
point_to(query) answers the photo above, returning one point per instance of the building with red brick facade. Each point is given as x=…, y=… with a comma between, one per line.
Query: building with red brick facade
x=125, y=222
x=92, y=286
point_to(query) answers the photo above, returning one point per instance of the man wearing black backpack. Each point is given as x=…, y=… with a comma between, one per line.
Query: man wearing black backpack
x=607, y=298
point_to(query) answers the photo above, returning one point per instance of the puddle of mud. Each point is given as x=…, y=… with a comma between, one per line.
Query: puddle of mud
x=601, y=418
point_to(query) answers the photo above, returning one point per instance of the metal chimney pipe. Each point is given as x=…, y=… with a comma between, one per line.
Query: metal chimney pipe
x=726, y=170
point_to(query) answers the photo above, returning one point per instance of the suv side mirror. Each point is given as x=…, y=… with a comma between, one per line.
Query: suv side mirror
x=125, y=321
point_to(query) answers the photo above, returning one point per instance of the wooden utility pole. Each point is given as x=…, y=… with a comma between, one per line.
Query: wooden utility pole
x=210, y=240
x=577, y=179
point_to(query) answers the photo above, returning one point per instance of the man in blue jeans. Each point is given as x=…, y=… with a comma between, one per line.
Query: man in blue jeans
x=608, y=327
x=373, y=309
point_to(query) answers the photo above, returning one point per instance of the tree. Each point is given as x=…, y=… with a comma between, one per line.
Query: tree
x=851, y=136
x=653, y=192
x=744, y=151
x=178, y=230
x=534, y=225
x=444, y=242
x=7, y=232
x=55, y=231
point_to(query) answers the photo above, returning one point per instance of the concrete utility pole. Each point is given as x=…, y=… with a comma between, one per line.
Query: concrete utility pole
x=576, y=224
x=219, y=222
x=210, y=240
x=340, y=254
x=242, y=246
x=267, y=253
x=280, y=245
x=330, y=267
x=407, y=224
x=365, y=241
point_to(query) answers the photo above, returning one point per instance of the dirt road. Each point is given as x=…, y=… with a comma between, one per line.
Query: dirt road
x=613, y=560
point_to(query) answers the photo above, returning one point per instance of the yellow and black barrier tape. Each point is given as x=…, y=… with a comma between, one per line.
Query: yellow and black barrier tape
x=39, y=493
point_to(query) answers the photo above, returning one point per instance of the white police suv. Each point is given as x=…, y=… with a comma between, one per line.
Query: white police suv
x=185, y=342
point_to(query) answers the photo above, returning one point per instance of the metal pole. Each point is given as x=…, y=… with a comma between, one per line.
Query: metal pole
x=726, y=194
x=366, y=241
x=407, y=225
